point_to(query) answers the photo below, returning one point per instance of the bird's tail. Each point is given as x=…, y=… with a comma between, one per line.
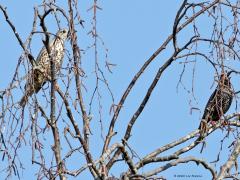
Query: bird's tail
x=28, y=93
x=23, y=101
x=203, y=128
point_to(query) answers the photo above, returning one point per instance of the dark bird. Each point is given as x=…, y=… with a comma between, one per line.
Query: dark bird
x=41, y=72
x=218, y=103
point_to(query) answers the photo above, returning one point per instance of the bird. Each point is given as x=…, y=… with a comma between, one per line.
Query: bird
x=218, y=103
x=41, y=70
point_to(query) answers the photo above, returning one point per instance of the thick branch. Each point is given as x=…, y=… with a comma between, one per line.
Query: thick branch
x=147, y=96
x=230, y=162
x=179, y=161
x=142, y=69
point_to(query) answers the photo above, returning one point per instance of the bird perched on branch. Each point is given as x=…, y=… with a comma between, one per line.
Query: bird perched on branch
x=41, y=71
x=218, y=103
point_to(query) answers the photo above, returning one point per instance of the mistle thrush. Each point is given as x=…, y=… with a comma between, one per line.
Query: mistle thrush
x=40, y=74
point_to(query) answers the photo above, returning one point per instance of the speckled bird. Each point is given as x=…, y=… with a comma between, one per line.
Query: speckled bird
x=41, y=72
x=218, y=103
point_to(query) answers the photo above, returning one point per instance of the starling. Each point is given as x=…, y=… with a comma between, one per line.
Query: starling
x=218, y=103
x=41, y=72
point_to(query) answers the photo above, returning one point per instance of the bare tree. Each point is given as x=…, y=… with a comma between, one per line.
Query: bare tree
x=61, y=110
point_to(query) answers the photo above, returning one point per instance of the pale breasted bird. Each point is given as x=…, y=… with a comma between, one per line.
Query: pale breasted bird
x=41, y=71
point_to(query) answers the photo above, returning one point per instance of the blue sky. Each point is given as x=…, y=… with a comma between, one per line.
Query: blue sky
x=132, y=31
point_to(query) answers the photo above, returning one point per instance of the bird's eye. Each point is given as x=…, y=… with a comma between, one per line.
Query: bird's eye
x=64, y=31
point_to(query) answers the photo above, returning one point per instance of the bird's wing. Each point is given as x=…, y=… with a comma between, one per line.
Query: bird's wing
x=210, y=104
x=43, y=51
